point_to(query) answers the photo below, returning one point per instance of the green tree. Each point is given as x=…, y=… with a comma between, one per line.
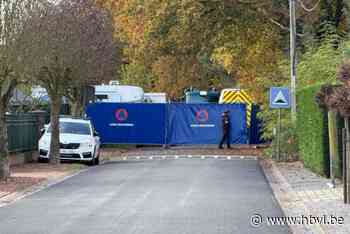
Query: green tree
x=248, y=39
x=319, y=65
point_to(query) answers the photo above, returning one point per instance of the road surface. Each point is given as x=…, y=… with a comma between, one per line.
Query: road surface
x=171, y=196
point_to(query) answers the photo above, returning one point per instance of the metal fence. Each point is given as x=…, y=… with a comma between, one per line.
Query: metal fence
x=23, y=132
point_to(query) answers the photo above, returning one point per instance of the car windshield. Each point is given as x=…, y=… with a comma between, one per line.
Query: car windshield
x=73, y=128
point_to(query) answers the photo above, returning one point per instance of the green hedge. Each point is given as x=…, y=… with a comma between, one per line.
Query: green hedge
x=312, y=131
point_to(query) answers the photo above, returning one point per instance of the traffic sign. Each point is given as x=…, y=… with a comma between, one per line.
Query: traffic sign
x=279, y=98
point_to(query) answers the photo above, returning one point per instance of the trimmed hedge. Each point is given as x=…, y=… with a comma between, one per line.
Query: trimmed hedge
x=312, y=131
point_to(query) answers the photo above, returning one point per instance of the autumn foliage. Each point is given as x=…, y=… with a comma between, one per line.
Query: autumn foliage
x=173, y=44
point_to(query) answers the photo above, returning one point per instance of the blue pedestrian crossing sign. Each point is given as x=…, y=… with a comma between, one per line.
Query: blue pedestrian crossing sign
x=279, y=98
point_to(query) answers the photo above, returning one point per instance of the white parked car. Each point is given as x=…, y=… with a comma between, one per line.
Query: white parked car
x=79, y=141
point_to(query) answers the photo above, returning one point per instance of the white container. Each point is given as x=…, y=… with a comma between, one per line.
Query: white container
x=118, y=93
x=155, y=97
x=39, y=92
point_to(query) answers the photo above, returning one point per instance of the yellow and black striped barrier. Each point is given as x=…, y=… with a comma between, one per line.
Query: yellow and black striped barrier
x=230, y=96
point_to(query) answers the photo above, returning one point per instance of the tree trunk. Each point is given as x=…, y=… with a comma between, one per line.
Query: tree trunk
x=4, y=155
x=76, y=104
x=76, y=109
x=55, y=135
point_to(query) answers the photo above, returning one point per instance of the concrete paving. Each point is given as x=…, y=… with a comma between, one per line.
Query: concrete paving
x=171, y=196
x=301, y=192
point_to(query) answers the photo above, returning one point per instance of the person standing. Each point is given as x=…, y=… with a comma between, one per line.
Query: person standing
x=226, y=125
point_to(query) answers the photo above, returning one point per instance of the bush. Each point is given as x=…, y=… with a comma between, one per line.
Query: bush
x=288, y=139
x=312, y=131
x=319, y=64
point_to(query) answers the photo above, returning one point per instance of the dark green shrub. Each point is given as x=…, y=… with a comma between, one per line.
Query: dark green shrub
x=288, y=139
x=312, y=131
x=288, y=145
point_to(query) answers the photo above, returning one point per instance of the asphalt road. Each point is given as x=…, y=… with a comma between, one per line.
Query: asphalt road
x=177, y=196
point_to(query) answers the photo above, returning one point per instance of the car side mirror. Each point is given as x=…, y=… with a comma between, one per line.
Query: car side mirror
x=96, y=134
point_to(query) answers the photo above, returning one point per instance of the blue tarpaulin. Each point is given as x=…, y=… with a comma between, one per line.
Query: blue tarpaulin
x=256, y=126
x=121, y=123
x=202, y=123
x=173, y=124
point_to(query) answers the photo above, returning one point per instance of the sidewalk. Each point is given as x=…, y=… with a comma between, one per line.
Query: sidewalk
x=28, y=178
x=303, y=193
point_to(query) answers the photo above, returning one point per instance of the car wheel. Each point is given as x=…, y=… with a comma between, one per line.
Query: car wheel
x=97, y=160
x=97, y=157
x=94, y=160
x=91, y=162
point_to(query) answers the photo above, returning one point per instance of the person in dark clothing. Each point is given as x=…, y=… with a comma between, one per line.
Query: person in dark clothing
x=226, y=125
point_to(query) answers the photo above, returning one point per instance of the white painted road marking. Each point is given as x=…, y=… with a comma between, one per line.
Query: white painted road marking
x=164, y=157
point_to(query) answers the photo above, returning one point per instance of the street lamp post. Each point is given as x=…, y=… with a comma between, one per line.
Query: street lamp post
x=293, y=60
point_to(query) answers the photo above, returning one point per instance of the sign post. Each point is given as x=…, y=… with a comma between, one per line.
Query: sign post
x=345, y=166
x=279, y=99
x=346, y=162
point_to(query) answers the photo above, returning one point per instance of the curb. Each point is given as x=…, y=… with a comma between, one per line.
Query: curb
x=13, y=197
x=290, y=204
